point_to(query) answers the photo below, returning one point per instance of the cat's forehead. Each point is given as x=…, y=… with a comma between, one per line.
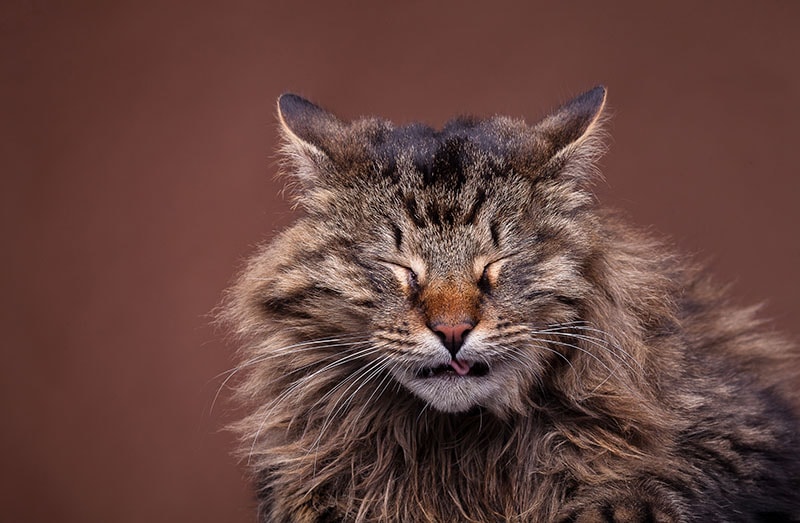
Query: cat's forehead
x=458, y=140
x=426, y=157
x=433, y=183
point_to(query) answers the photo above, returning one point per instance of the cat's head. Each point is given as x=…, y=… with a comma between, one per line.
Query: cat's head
x=441, y=258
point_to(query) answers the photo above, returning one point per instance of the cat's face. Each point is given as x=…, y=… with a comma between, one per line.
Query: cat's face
x=452, y=256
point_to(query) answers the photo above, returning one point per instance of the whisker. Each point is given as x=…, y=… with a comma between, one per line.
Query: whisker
x=531, y=361
x=303, y=381
x=584, y=326
x=342, y=383
x=366, y=373
x=599, y=342
x=379, y=389
x=311, y=377
x=306, y=346
x=577, y=347
x=293, y=349
x=569, y=323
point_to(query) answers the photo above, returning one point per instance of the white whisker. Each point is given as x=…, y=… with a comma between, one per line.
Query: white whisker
x=305, y=380
x=283, y=351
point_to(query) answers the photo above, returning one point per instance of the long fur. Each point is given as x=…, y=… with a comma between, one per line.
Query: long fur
x=633, y=390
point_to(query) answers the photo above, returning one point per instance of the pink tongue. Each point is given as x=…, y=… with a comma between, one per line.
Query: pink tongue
x=461, y=368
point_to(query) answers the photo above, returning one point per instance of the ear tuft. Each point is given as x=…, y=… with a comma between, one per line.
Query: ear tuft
x=309, y=132
x=575, y=119
x=573, y=134
x=306, y=122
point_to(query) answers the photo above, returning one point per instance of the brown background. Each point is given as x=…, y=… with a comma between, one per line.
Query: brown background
x=136, y=150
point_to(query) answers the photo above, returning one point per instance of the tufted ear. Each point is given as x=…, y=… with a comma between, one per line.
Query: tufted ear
x=309, y=133
x=572, y=135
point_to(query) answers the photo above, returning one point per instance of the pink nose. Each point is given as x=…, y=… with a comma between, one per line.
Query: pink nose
x=452, y=336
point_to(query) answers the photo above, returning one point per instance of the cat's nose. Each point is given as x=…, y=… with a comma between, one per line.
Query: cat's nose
x=452, y=335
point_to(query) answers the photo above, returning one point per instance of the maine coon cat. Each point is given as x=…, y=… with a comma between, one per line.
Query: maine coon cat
x=454, y=331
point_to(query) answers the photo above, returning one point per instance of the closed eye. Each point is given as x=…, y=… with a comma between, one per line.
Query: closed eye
x=483, y=281
x=412, y=279
x=489, y=274
x=407, y=276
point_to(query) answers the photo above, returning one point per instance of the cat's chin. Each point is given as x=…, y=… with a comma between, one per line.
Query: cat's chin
x=451, y=393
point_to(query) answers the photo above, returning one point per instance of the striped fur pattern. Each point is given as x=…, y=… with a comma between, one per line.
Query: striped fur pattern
x=596, y=377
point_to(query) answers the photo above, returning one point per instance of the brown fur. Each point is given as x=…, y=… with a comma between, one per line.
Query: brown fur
x=622, y=384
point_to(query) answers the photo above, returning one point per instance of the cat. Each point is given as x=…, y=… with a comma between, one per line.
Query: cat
x=454, y=330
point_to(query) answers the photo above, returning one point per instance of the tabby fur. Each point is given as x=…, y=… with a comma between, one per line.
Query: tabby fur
x=610, y=380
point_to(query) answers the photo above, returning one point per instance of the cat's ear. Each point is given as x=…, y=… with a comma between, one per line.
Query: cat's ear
x=573, y=135
x=309, y=132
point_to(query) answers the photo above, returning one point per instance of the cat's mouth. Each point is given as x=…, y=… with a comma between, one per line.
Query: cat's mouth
x=456, y=368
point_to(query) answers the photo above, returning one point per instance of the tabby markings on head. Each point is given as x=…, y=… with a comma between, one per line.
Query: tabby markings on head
x=455, y=331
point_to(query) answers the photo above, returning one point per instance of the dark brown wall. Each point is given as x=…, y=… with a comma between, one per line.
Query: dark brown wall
x=136, y=150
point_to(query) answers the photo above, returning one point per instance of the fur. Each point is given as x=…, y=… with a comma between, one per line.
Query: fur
x=610, y=380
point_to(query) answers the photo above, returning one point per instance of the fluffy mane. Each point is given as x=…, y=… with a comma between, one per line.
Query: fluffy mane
x=632, y=389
